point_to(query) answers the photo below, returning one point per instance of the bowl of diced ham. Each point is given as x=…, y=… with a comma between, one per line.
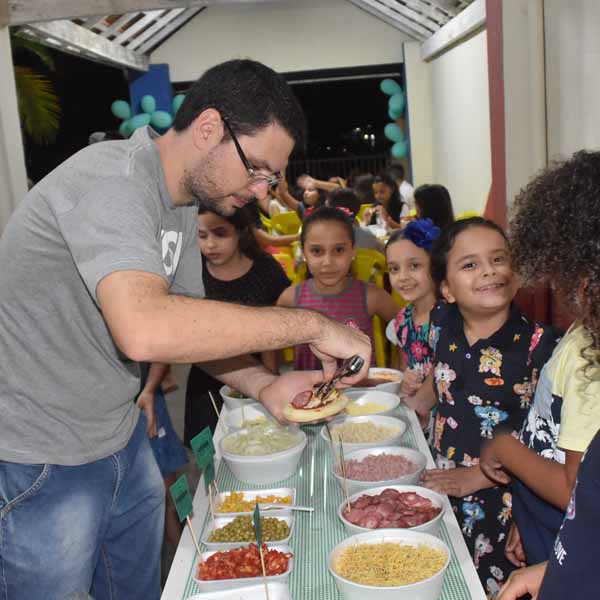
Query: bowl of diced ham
x=398, y=506
x=385, y=466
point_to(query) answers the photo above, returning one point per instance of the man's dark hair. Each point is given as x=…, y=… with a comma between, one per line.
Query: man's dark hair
x=396, y=171
x=249, y=94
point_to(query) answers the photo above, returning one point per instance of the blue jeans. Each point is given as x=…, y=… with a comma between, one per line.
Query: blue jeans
x=95, y=528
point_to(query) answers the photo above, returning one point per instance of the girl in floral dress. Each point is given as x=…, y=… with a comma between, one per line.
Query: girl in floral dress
x=408, y=259
x=485, y=350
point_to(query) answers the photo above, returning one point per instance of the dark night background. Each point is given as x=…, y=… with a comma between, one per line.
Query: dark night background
x=335, y=110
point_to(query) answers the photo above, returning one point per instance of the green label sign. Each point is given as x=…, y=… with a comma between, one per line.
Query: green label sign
x=209, y=473
x=180, y=492
x=203, y=448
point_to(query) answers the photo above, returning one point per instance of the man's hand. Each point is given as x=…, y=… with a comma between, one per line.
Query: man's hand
x=524, y=581
x=340, y=341
x=490, y=464
x=411, y=382
x=146, y=403
x=283, y=389
x=514, y=550
x=458, y=482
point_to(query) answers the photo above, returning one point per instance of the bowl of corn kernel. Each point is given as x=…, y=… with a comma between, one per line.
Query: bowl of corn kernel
x=371, y=402
x=231, y=504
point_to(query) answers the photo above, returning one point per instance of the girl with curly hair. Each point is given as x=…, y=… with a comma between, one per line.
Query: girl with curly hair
x=408, y=258
x=555, y=235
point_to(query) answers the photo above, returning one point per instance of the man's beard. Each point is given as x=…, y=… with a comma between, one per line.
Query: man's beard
x=203, y=197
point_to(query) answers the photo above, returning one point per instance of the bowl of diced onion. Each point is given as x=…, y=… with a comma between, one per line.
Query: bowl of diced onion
x=390, y=564
x=234, y=399
x=263, y=453
x=371, y=402
x=357, y=433
x=251, y=414
x=386, y=465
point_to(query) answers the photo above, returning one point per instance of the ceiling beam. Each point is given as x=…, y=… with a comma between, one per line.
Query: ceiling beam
x=393, y=18
x=166, y=30
x=21, y=12
x=73, y=38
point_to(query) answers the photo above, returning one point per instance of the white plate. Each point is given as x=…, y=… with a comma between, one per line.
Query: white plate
x=215, y=585
x=389, y=402
x=251, y=495
x=277, y=591
x=222, y=521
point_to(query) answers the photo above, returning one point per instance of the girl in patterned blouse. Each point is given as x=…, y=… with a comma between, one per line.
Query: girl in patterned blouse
x=485, y=352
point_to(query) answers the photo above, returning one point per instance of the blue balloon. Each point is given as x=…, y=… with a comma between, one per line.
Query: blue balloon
x=120, y=109
x=140, y=120
x=400, y=149
x=125, y=128
x=148, y=104
x=389, y=87
x=393, y=114
x=397, y=102
x=393, y=132
x=161, y=119
x=177, y=102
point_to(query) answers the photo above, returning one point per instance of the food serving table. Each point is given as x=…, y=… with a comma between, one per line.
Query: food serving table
x=315, y=534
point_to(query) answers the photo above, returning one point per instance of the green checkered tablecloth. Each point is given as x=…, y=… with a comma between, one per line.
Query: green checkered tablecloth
x=315, y=534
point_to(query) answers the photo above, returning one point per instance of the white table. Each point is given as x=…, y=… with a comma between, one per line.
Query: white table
x=175, y=588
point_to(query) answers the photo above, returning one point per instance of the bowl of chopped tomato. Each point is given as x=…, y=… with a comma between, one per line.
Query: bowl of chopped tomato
x=238, y=567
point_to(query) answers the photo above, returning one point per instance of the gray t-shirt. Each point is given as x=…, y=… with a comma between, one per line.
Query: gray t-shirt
x=66, y=391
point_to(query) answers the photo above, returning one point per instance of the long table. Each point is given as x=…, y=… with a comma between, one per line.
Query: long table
x=315, y=534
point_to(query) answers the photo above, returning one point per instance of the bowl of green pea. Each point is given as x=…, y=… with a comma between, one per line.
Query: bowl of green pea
x=230, y=532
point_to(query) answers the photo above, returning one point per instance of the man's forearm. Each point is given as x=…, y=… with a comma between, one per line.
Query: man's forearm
x=242, y=373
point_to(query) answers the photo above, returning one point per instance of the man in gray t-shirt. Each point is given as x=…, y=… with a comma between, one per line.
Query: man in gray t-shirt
x=101, y=270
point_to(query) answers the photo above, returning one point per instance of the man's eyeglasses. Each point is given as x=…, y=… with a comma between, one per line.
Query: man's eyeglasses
x=272, y=180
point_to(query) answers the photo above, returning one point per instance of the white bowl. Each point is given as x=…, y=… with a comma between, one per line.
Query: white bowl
x=232, y=402
x=375, y=419
x=247, y=412
x=432, y=527
x=277, y=591
x=214, y=585
x=222, y=521
x=428, y=589
x=264, y=468
x=252, y=494
x=389, y=402
x=392, y=386
x=357, y=485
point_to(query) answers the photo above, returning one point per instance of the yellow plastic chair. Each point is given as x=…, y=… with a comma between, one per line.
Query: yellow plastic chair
x=286, y=260
x=266, y=222
x=361, y=211
x=286, y=223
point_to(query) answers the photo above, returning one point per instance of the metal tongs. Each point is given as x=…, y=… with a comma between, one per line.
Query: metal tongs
x=350, y=366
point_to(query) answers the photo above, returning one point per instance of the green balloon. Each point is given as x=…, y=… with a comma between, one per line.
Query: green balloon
x=140, y=120
x=393, y=132
x=125, y=130
x=148, y=104
x=177, y=102
x=120, y=109
x=389, y=87
x=393, y=114
x=397, y=102
x=161, y=119
x=400, y=149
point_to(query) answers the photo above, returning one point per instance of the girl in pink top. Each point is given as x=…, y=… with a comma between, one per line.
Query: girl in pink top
x=328, y=245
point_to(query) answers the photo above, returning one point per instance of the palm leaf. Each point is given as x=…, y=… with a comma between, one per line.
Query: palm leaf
x=39, y=106
x=20, y=42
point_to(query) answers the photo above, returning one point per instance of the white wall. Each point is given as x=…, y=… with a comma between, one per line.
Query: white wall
x=419, y=110
x=13, y=178
x=572, y=81
x=461, y=123
x=295, y=35
x=524, y=92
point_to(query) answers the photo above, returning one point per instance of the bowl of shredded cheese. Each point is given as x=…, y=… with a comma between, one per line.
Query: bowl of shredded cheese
x=390, y=564
x=371, y=402
x=264, y=452
x=246, y=416
x=356, y=433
